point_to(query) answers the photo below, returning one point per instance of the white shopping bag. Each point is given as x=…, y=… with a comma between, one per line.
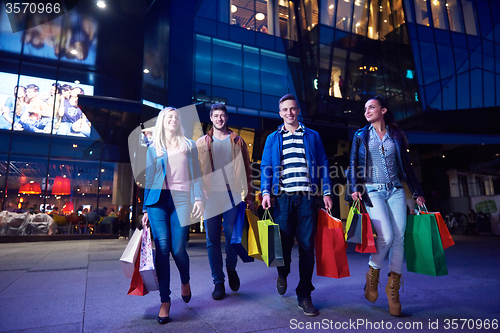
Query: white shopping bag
x=130, y=254
x=147, y=262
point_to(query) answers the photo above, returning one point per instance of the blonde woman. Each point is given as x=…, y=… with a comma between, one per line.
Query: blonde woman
x=173, y=191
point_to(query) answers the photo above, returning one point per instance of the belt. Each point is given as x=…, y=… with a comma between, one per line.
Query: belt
x=387, y=186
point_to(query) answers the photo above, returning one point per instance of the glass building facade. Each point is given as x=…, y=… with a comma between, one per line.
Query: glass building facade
x=436, y=62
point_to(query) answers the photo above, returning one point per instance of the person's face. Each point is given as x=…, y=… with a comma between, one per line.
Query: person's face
x=219, y=119
x=289, y=111
x=65, y=93
x=374, y=111
x=73, y=100
x=172, y=121
x=75, y=92
x=21, y=93
x=52, y=90
x=30, y=93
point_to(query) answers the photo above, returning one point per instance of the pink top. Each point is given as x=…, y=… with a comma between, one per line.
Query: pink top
x=177, y=171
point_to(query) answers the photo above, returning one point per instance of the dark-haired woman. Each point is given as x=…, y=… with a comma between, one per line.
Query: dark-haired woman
x=379, y=164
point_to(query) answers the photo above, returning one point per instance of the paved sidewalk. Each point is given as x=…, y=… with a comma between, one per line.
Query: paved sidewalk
x=78, y=286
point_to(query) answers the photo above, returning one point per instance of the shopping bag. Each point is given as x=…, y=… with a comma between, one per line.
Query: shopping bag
x=270, y=241
x=239, y=238
x=367, y=234
x=147, y=261
x=353, y=225
x=130, y=254
x=254, y=249
x=331, y=257
x=444, y=233
x=423, y=248
x=137, y=287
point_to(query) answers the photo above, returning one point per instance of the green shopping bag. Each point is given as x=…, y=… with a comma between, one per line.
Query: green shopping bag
x=423, y=248
x=353, y=224
x=270, y=241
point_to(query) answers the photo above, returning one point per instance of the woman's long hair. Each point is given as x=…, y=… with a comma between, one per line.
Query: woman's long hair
x=394, y=128
x=160, y=142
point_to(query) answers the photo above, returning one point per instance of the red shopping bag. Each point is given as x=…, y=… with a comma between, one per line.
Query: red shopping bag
x=444, y=233
x=367, y=239
x=136, y=284
x=331, y=257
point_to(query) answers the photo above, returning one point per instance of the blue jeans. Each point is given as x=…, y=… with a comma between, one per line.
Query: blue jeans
x=388, y=215
x=296, y=215
x=213, y=226
x=169, y=236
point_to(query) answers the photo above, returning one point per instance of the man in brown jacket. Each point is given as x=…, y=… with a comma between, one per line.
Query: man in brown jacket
x=225, y=166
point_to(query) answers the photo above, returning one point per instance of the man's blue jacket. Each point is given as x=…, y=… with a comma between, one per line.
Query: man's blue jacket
x=316, y=158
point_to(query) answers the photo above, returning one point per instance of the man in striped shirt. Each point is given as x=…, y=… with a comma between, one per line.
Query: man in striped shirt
x=294, y=168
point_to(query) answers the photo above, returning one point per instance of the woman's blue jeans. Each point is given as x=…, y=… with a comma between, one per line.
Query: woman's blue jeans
x=388, y=215
x=170, y=237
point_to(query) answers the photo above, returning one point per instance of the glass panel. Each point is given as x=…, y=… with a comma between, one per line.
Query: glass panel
x=409, y=11
x=476, y=60
x=445, y=56
x=327, y=12
x=483, y=11
x=251, y=69
x=287, y=26
x=273, y=73
x=469, y=17
x=439, y=14
x=498, y=89
x=243, y=14
x=421, y=12
x=461, y=59
x=360, y=17
x=310, y=12
x=203, y=60
x=398, y=14
x=429, y=59
x=344, y=9
x=476, y=81
x=455, y=15
x=386, y=24
x=207, y=9
x=262, y=11
x=489, y=89
x=373, y=22
x=433, y=95
x=227, y=64
x=449, y=95
x=463, y=91
x=337, y=79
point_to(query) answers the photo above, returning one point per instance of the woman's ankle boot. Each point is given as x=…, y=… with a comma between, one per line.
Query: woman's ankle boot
x=392, y=291
x=371, y=291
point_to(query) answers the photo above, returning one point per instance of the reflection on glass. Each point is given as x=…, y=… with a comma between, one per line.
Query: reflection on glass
x=373, y=23
x=327, y=11
x=359, y=17
x=421, y=12
x=398, y=14
x=469, y=17
x=287, y=24
x=408, y=11
x=455, y=15
x=41, y=106
x=68, y=38
x=309, y=14
x=386, y=24
x=343, y=21
x=438, y=14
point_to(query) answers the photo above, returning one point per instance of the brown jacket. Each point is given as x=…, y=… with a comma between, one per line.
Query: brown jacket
x=205, y=145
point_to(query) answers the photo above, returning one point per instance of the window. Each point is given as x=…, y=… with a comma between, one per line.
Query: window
x=421, y=12
x=373, y=22
x=386, y=24
x=343, y=21
x=469, y=17
x=439, y=14
x=455, y=15
x=327, y=12
x=360, y=17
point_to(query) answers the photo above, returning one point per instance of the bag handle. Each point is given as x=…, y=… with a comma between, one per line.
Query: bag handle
x=360, y=206
x=268, y=215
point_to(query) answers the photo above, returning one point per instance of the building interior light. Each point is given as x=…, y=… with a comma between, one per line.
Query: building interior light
x=330, y=7
x=260, y=16
x=146, y=71
x=101, y=4
x=74, y=52
x=233, y=9
x=77, y=82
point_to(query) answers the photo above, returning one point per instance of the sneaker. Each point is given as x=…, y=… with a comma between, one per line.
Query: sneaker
x=307, y=306
x=219, y=291
x=234, y=280
x=281, y=285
